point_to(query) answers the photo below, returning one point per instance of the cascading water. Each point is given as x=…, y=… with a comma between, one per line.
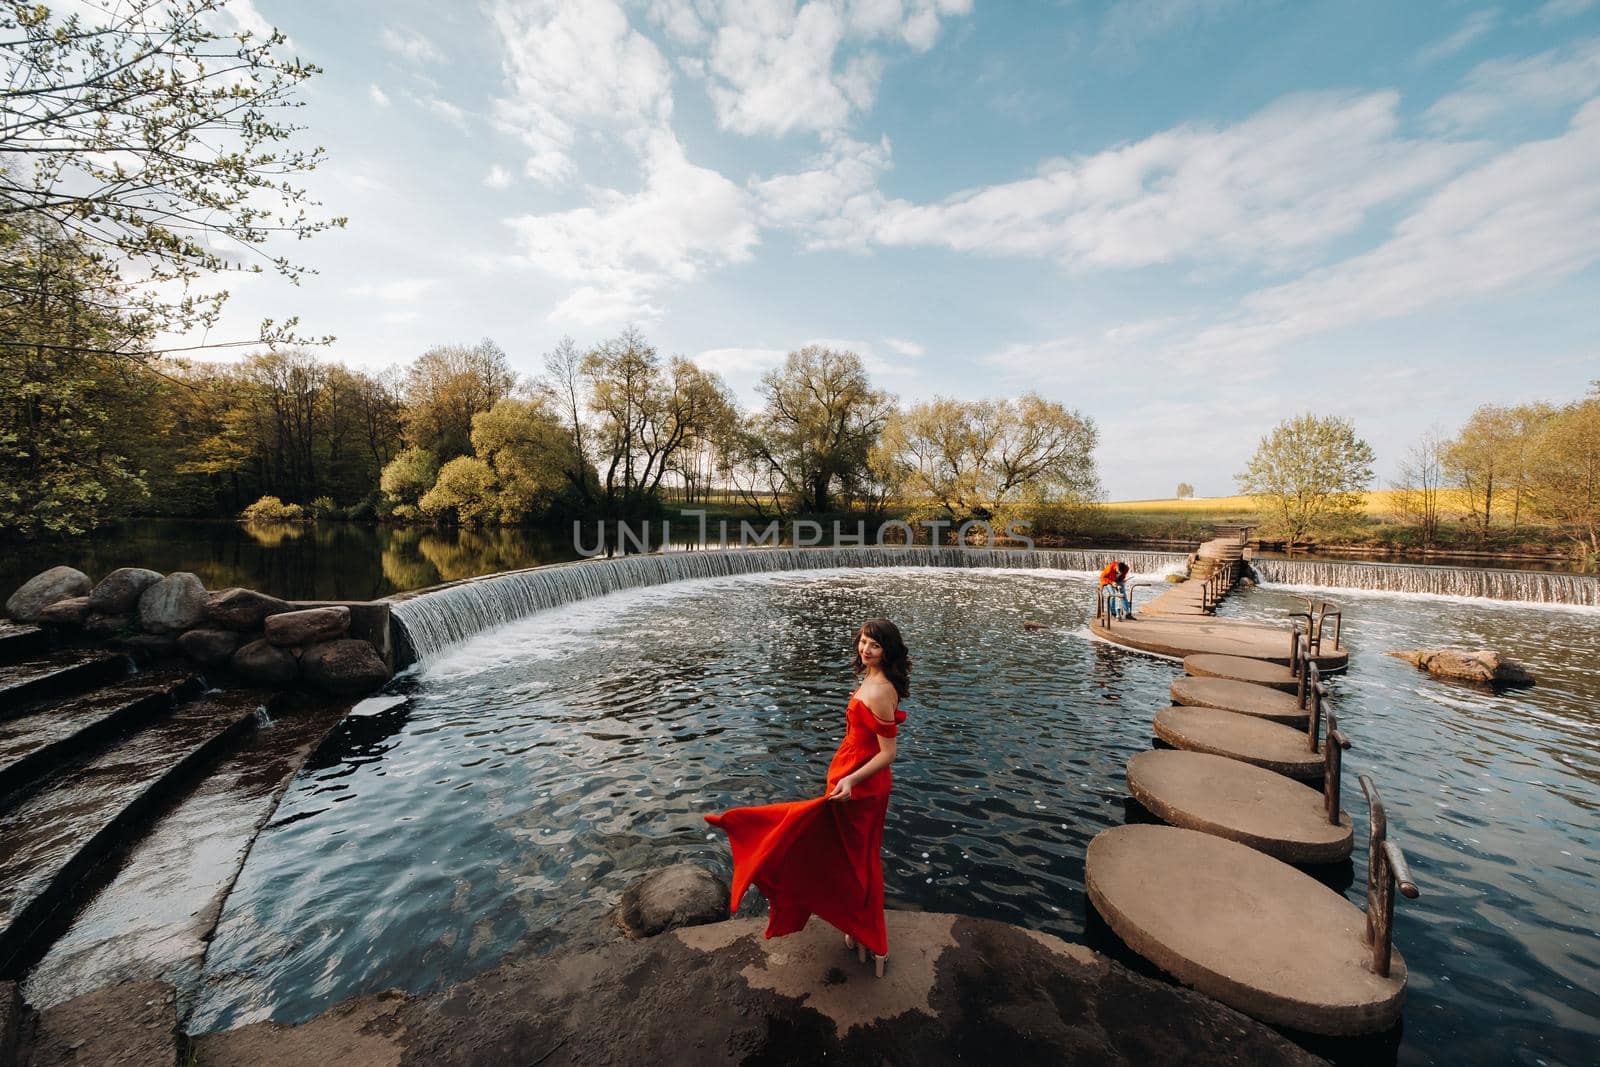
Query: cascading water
x=434, y=619
x=1538, y=587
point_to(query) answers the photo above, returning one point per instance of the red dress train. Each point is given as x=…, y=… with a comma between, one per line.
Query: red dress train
x=821, y=857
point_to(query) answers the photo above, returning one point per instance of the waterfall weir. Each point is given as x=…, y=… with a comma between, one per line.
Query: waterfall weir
x=431, y=620
x=1538, y=587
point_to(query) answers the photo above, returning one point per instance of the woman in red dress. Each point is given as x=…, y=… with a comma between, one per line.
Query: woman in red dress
x=822, y=856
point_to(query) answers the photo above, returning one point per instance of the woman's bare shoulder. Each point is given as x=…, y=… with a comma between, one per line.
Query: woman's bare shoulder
x=879, y=695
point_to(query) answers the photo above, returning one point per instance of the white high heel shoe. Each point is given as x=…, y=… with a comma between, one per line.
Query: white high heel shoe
x=861, y=950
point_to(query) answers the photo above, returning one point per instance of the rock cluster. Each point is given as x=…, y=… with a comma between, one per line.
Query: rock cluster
x=1485, y=667
x=258, y=639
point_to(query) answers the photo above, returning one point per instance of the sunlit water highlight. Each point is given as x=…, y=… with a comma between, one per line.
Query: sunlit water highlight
x=537, y=769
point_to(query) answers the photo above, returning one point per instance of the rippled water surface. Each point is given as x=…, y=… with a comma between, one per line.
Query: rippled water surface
x=529, y=775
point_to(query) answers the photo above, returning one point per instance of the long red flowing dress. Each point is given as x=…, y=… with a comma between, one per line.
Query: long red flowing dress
x=821, y=857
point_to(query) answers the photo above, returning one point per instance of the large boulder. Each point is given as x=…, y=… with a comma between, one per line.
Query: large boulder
x=347, y=666
x=69, y=612
x=118, y=592
x=681, y=895
x=149, y=646
x=176, y=602
x=44, y=589
x=308, y=625
x=263, y=663
x=242, y=609
x=208, y=646
x=1485, y=666
x=106, y=625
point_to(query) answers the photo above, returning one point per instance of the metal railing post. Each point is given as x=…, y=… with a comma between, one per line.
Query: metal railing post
x=1386, y=872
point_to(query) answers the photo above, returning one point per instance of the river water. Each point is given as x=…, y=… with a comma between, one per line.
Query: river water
x=522, y=779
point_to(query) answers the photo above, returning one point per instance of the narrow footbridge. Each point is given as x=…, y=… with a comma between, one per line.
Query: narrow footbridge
x=1247, y=789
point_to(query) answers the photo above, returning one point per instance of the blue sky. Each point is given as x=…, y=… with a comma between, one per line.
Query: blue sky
x=1187, y=218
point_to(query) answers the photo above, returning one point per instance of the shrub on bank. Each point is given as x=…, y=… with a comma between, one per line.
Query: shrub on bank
x=270, y=509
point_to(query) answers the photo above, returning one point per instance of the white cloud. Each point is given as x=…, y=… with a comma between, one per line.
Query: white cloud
x=247, y=19
x=739, y=362
x=773, y=68
x=1128, y=24
x=498, y=177
x=1559, y=77
x=377, y=96
x=626, y=247
x=905, y=347
x=401, y=291
x=1476, y=25
x=575, y=65
x=1557, y=10
x=398, y=318
x=832, y=199
x=409, y=44
x=1527, y=215
x=1276, y=186
x=444, y=109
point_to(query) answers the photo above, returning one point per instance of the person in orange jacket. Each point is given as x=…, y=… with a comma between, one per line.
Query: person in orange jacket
x=1115, y=575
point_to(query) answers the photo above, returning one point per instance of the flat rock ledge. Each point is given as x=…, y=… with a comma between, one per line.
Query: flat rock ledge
x=958, y=990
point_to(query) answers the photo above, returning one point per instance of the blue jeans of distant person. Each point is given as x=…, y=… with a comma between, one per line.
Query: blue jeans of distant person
x=1118, y=603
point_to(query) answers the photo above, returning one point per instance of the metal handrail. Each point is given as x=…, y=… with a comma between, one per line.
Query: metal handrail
x=1102, y=607
x=1332, y=767
x=1386, y=871
x=1312, y=683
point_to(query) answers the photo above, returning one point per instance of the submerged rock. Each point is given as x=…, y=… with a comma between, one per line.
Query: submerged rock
x=118, y=592
x=349, y=666
x=69, y=612
x=681, y=895
x=208, y=646
x=264, y=663
x=44, y=589
x=242, y=609
x=175, y=603
x=1485, y=666
x=308, y=625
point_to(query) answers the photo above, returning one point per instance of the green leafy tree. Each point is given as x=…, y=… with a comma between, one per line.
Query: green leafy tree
x=529, y=451
x=152, y=134
x=1185, y=491
x=409, y=475
x=821, y=420
x=1565, y=472
x=466, y=492
x=647, y=414
x=1308, y=473
x=980, y=459
x=61, y=310
x=445, y=387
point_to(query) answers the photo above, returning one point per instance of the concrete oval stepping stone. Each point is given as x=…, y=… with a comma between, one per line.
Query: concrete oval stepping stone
x=1242, y=698
x=1241, y=669
x=1241, y=802
x=1249, y=930
x=1278, y=748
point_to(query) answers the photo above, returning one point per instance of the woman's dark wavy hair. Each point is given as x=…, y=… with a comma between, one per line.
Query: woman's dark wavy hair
x=896, y=661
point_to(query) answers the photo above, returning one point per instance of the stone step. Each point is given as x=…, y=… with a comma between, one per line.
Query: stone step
x=133, y=1024
x=33, y=744
x=1243, y=698
x=1249, y=930
x=1241, y=802
x=57, y=674
x=20, y=641
x=1241, y=669
x=1278, y=748
x=78, y=815
x=155, y=918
